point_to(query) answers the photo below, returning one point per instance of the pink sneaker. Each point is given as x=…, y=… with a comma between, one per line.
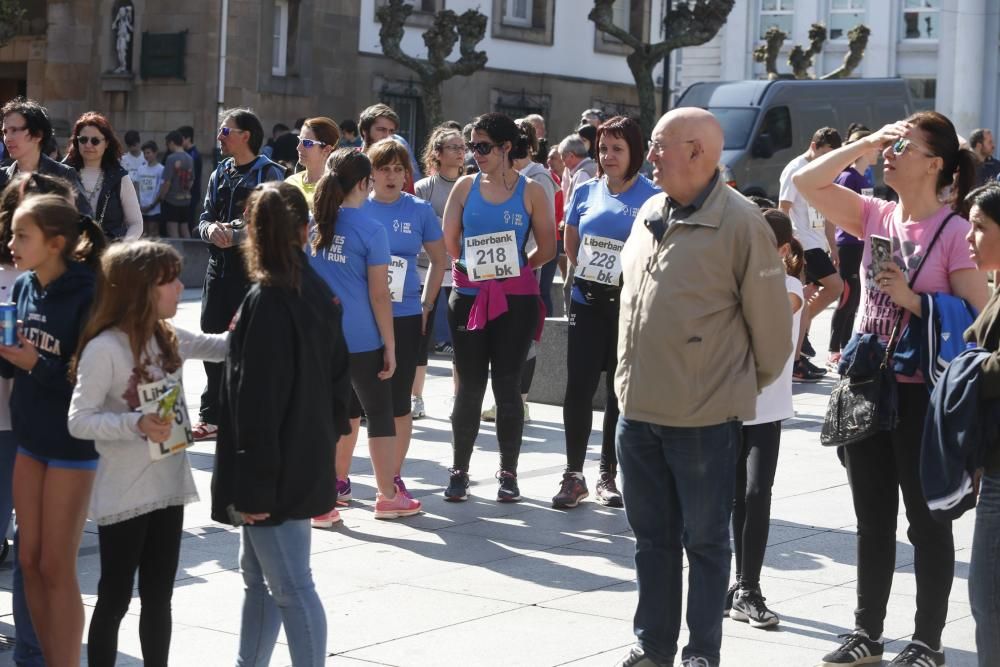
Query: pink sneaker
x=326, y=520
x=396, y=507
x=401, y=487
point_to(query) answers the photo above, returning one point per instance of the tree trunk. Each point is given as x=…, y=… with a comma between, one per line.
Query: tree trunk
x=642, y=72
x=433, y=108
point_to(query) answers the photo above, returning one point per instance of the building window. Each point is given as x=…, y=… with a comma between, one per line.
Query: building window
x=517, y=13
x=279, y=42
x=632, y=16
x=922, y=93
x=523, y=20
x=776, y=14
x=921, y=19
x=844, y=15
x=519, y=104
x=429, y=6
x=423, y=11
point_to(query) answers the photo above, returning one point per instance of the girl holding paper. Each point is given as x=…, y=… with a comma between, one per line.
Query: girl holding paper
x=129, y=400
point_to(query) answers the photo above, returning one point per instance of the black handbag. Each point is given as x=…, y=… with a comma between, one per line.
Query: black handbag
x=861, y=406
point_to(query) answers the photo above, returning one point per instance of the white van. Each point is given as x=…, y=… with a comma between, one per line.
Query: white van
x=769, y=123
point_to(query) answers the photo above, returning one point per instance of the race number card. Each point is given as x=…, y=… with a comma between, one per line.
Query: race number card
x=166, y=398
x=600, y=259
x=816, y=220
x=147, y=189
x=397, y=278
x=490, y=256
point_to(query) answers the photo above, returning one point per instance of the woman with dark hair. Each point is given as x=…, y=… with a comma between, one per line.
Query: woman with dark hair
x=598, y=222
x=984, y=576
x=589, y=134
x=96, y=154
x=923, y=164
x=494, y=307
x=317, y=139
x=350, y=250
x=283, y=403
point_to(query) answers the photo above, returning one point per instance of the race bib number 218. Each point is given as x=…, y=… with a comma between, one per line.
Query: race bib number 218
x=490, y=256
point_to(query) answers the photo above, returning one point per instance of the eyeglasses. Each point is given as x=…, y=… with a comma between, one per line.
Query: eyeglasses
x=224, y=131
x=482, y=147
x=14, y=130
x=309, y=143
x=902, y=144
x=454, y=148
x=94, y=141
x=657, y=148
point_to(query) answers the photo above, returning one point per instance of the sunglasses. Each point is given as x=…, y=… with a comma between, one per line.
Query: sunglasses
x=902, y=144
x=309, y=143
x=94, y=141
x=482, y=147
x=225, y=131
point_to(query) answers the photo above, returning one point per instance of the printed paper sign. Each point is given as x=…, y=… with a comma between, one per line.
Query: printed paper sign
x=815, y=219
x=397, y=278
x=490, y=256
x=600, y=259
x=166, y=398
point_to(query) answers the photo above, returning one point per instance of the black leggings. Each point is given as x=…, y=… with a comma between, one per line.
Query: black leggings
x=752, y=499
x=592, y=347
x=502, y=348
x=878, y=469
x=371, y=395
x=151, y=544
x=407, y=333
x=842, y=325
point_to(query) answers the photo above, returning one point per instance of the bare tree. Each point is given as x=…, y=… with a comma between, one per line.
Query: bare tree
x=767, y=52
x=857, y=43
x=692, y=22
x=801, y=59
x=448, y=28
x=11, y=15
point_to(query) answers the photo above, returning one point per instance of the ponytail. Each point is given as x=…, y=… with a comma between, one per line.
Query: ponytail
x=795, y=260
x=276, y=212
x=345, y=168
x=965, y=181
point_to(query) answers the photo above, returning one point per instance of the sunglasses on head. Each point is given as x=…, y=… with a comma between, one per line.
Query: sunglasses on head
x=902, y=144
x=309, y=143
x=94, y=141
x=482, y=147
x=225, y=131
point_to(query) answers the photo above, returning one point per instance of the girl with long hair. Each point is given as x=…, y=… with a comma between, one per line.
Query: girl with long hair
x=131, y=356
x=58, y=250
x=317, y=140
x=932, y=174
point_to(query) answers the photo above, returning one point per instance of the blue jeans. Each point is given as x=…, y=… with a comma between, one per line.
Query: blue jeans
x=8, y=453
x=678, y=489
x=27, y=649
x=984, y=576
x=279, y=589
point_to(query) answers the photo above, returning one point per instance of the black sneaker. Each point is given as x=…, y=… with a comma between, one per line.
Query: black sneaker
x=572, y=490
x=813, y=368
x=636, y=658
x=918, y=655
x=801, y=373
x=730, y=594
x=458, y=486
x=749, y=607
x=807, y=349
x=508, y=491
x=607, y=491
x=857, y=649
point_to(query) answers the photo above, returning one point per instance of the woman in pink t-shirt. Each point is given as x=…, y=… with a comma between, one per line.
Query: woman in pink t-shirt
x=932, y=175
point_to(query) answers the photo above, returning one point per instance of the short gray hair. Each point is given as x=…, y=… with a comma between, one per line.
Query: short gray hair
x=535, y=118
x=573, y=144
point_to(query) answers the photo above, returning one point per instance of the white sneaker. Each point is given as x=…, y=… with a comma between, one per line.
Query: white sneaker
x=417, y=407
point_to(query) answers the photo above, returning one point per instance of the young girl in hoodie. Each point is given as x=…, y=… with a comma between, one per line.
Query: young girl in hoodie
x=53, y=472
x=130, y=363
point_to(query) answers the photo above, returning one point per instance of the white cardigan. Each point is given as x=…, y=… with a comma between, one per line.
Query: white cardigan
x=129, y=482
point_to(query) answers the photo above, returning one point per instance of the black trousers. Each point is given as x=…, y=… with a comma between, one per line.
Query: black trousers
x=752, y=499
x=878, y=469
x=498, y=352
x=151, y=544
x=592, y=347
x=226, y=284
x=842, y=324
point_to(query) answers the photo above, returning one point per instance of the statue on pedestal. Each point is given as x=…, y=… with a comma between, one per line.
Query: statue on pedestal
x=123, y=26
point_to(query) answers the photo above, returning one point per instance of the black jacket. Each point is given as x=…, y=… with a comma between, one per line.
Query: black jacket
x=53, y=318
x=110, y=213
x=284, y=403
x=50, y=167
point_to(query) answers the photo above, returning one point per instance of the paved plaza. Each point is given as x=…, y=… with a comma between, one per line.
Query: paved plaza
x=480, y=583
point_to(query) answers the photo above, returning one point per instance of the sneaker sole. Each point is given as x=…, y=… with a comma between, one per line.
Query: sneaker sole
x=738, y=615
x=325, y=524
x=456, y=499
x=566, y=506
x=396, y=514
x=419, y=415
x=805, y=380
x=870, y=660
x=764, y=624
x=508, y=499
x=617, y=502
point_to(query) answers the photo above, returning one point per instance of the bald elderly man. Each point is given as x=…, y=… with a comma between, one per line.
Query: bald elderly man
x=704, y=325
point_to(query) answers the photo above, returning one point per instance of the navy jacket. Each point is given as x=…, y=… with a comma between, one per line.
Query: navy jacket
x=284, y=404
x=50, y=167
x=929, y=343
x=53, y=319
x=958, y=431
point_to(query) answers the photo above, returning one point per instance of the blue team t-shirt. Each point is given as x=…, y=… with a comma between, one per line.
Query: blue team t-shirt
x=409, y=222
x=359, y=241
x=595, y=211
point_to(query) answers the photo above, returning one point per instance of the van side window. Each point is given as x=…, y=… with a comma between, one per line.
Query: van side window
x=777, y=126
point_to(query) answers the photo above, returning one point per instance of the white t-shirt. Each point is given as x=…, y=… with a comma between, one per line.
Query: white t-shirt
x=132, y=164
x=774, y=403
x=808, y=224
x=148, y=181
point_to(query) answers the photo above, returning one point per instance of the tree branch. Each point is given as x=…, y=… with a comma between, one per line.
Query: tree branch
x=602, y=16
x=856, y=45
x=392, y=16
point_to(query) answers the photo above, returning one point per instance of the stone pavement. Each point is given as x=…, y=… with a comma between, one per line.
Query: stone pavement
x=480, y=583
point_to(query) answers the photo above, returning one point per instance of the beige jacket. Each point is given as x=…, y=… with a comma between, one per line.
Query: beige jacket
x=705, y=318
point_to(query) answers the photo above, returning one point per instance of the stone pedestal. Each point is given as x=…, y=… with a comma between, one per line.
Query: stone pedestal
x=549, y=384
x=195, y=255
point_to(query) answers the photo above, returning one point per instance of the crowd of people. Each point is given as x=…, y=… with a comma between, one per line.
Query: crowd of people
x=332, y=248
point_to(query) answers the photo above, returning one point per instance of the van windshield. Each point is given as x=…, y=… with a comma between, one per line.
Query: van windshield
x=737, y=124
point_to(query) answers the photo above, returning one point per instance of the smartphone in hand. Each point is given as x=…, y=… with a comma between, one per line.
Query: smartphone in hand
x=881, y=251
